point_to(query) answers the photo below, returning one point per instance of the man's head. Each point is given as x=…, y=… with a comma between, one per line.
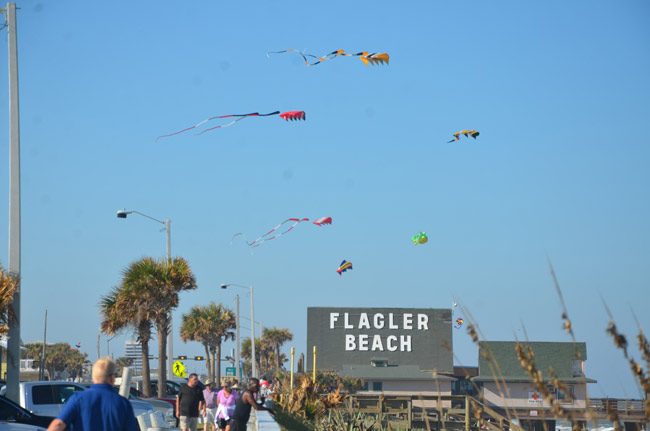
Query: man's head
x=253, y=384
x=192, y=380
x=104, y=371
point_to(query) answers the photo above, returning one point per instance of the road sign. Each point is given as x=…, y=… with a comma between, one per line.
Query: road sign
x=230, y=371
x=179, y=369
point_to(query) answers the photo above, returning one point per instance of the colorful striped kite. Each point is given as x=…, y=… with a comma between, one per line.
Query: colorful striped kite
x=344, y=266
x=366, y=57
x=467, y=133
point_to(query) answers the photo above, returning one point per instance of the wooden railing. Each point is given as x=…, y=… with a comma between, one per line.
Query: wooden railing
x=465, y=413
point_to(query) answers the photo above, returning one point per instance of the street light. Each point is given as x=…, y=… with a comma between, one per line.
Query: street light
x=168, y=229
x=253, y=358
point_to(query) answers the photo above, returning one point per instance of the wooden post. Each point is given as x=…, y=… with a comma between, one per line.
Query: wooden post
x=293, y=355
x=313, y=371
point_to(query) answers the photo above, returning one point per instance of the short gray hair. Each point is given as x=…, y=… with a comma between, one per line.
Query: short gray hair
x=103, y=369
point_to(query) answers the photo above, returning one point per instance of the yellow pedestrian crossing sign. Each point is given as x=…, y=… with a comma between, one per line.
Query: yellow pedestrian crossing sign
x=179, y=369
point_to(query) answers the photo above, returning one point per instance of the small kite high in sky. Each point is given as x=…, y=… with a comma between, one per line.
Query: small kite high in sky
x=78, y=345
x=372, y=58
x=287, y=116
x=344, y=266
x=420, y=238
x=459, y=323
x=323, y=220
x=273, y=233
x=467, y=133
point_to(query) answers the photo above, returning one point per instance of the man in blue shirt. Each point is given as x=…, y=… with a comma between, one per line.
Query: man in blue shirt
x=99, y=408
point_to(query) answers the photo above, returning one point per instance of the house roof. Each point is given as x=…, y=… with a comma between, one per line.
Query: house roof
x=400, y=372
x=559, y=356
x=528, y=379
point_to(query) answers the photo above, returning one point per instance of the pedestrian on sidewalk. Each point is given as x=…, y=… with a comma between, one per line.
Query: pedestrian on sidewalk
x=98, y=408
x=189, y=402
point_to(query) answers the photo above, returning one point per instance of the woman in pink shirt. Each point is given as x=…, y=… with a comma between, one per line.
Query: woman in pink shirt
x=226, y=398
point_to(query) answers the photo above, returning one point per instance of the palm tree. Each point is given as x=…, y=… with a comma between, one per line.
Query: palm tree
x=246, y=353
x=276, y=337
x=209, y=325
x=129, y=307
x=8, y=286
x=162, y=280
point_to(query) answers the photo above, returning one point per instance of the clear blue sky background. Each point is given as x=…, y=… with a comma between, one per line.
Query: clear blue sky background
x=559, y=91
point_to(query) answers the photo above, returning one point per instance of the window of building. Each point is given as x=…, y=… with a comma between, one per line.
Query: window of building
x=577, y=368
x=566, y=397
x=377, y=386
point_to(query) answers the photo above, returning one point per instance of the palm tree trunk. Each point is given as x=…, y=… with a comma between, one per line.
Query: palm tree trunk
x=277, y=357
x=162, y=358
x=146, y=372
x=218, y=362
x=208, y=362
x=213, y=364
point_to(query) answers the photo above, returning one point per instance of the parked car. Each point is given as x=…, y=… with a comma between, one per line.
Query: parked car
x=46, y=398
x=12, y=426
x=173, y=386
x=158, y=405
x=12, y=413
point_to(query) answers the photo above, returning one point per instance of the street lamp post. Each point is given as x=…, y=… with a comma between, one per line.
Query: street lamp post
x=168, y=229
x=253, y=358
x=238, y=347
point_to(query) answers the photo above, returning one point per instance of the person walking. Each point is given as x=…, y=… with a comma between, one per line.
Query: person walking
x=210, y=396
x=226, y=398
x=244, y=404
x=98, y=408
x=189, y=402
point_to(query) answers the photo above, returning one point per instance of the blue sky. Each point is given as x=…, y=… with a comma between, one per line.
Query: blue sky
x=559, y=91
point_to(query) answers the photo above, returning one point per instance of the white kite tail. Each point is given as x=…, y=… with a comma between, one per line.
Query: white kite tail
x=271, y=234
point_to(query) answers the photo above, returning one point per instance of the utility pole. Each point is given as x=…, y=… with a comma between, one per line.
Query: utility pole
x=41, y=369
x=13, y=343
x=237, y=343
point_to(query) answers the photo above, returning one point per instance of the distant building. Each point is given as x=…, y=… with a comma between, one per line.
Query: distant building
x=463, y=385
x=133, y=351
x=393, y=350
x=504, y=383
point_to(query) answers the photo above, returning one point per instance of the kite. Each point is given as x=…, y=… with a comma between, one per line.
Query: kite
x=323, y=220
x=420, y=238
x=373, y=58
x=365, y=56
x=318, y=60
x=344, y=266
x=293, y=115
x=467, y=133
x=289, y=115
x=270, y=235
x=459, y=320
x=78, y=345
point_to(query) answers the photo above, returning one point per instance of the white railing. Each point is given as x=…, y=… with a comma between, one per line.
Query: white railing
x=264, y=421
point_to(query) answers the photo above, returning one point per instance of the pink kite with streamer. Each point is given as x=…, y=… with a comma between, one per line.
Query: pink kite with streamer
x=323, y=220
x=278, y=230
x=287, y=116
